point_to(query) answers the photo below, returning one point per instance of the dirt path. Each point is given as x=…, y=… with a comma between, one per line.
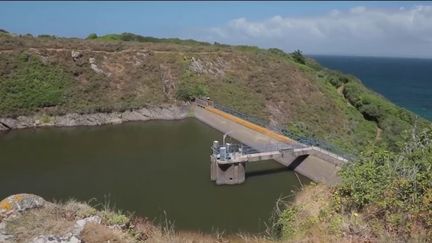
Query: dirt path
x=378, y=134
x=341, y=89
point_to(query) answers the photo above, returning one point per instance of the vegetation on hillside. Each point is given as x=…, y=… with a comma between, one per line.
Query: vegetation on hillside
x=139, y=38
x=126, y=71
x=33, y=85
x=383, y=196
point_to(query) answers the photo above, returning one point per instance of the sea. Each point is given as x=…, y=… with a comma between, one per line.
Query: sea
x=406, y=82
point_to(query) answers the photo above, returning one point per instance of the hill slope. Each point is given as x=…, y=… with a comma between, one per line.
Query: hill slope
x=120, y=72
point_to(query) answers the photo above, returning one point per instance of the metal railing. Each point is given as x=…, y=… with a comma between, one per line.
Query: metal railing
x=239, y=149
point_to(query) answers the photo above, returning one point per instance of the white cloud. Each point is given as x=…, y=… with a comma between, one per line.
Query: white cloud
x=358, y=10
x=359, y=31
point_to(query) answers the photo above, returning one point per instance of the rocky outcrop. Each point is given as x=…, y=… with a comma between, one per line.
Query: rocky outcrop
x=71, y=237
x=168, y=112
x=4, y=127
x=14, y=205
x=20, y=203
x=214, y=68
x=75, y=55
x=95, y=67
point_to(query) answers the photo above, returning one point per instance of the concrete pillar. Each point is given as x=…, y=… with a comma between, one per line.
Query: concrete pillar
x=213, y=168
x=227, y=173
x=230, y=173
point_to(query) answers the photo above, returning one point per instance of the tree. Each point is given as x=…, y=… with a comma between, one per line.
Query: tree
x=298, y=57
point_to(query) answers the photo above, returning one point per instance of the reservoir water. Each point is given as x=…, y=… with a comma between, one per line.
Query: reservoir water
x=147, y=168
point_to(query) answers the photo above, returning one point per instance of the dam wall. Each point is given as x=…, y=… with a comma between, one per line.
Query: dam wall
x=314, y=165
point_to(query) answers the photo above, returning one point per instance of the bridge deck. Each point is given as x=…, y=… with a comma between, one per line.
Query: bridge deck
x=238, y=157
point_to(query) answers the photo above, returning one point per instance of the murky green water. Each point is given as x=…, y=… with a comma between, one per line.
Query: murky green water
x=146, y=168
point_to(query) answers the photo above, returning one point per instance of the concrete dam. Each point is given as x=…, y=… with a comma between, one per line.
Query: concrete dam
x=228, y=161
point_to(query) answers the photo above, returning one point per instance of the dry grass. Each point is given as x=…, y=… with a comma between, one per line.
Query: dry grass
x=50, y=220
x=313, y=198
x=315, y=220
x=78, y=209
x=305, y=220
x=97, y=233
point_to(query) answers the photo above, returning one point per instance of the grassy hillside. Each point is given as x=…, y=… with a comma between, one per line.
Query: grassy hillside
x=118, y=72
x=383, y=197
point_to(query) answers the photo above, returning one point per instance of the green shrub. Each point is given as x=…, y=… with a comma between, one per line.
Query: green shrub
x=92, y=36
x=337, y=79
x=298, y=57
x=32, y=85
x=114, y=217
x=189, y=91
x=287, y=222
x=393, y=188
x=220, y=44
x=139, y=38
x=276, y=51
x=47, y=36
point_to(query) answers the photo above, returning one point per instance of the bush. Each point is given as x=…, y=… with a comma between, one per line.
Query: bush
x=92, y=36
x=139, y=38
x=32, y=85
x=47, y=36
x=287, y=222
x=276, y=51
x=220, y=44
x=393, y=188
x=337, y=79
x=298, y=57
x=188, y=92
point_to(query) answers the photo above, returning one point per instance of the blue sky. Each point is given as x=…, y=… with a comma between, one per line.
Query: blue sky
x=314, y=27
